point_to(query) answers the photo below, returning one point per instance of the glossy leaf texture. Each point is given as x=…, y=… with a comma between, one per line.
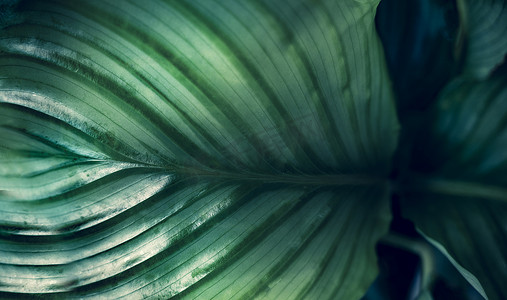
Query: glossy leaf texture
x=484, y=26
x=198, y=149
x=460, y=200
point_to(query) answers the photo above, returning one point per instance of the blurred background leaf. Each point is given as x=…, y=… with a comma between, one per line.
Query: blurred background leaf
x=484, y=28
x=419, y=38
x=456, y=195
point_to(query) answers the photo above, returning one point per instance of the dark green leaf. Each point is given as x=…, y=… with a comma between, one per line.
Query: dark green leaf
x=484, y=26
x=460, y=202
x=193, y=148
x=419, y=38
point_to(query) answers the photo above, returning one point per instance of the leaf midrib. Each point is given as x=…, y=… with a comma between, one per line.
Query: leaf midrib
x=460, y=188
x=336, y=179
x=303, y=179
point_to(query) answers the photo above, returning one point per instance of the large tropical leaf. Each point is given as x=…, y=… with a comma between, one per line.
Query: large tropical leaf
x=460, y=202
x=203, y=149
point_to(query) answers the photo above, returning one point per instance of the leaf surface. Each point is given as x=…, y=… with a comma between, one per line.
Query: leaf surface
x=193, y=148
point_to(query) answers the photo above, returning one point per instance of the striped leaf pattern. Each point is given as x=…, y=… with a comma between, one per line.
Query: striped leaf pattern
x=196, y=149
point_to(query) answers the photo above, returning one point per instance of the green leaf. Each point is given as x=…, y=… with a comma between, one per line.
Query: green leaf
x=419, y=37
x=460, y=202
x=484, y=28
x=194, y=148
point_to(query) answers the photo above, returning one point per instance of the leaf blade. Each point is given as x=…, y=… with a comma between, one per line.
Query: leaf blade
x=206, y=136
